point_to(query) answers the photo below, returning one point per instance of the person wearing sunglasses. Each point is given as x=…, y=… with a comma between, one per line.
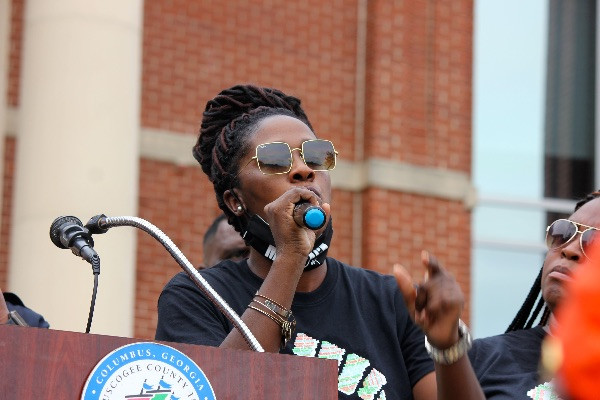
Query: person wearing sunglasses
x=507, y=366
x=260, y=151
x=568, y=242
x=570, y=353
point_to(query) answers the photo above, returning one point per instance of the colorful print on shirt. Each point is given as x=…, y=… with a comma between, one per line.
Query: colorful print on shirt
x=545, y=391
x=355, y=370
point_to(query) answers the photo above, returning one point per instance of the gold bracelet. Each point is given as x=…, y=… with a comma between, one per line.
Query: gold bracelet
x=287, y=326
x=277, y=321
x=274, y=306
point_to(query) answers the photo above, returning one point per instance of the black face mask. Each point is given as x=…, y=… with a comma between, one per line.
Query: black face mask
x=258, y=235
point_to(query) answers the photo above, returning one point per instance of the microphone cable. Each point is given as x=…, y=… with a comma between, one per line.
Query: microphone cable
x=95, y=261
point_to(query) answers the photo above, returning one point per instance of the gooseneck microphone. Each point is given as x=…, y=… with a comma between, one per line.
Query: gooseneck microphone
x=67, y=232
x=101, y=223
x=309, y=216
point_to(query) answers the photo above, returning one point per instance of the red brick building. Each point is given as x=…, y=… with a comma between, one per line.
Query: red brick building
x=389, y=82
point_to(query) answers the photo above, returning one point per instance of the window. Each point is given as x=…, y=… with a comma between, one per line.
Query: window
x=533, y=141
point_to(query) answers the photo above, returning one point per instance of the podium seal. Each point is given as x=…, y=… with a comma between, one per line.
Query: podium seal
x=147, y=371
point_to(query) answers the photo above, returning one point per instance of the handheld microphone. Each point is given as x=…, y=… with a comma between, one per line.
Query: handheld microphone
x=68, y=232
x=309, y=216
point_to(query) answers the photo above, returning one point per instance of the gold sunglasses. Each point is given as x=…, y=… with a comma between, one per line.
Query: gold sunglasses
x=563, y=231
x=276, y=157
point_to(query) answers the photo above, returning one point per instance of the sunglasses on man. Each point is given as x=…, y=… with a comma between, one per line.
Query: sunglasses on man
x=276, y=157
x=562, y=231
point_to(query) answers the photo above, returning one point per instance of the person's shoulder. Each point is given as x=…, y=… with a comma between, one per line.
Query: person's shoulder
x=179, y=279
x=14, y=303
x=514, y=353
x=361, y=276
x=225, y=269
x=511, y=339
x=225, y=265
x=359, y=271
x=537, y=331
x=13, y=299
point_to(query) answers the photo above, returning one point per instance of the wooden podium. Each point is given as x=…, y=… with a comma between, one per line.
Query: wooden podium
x=49, y=364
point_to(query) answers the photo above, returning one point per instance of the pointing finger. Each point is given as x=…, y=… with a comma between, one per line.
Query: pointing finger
x=431, y=263
x=405, y=283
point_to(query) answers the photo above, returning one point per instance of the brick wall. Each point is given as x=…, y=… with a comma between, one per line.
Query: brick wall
x=14, y=63
x=192, y=50
x=419, y=90
x=181, y=202
x=418, y=112
x=397, y=226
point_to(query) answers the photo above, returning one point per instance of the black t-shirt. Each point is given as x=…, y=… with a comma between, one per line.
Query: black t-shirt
x=356, y=316
x=507, y=365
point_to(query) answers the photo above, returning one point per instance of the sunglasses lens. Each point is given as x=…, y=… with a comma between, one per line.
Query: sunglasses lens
x=319, y=155
x=274, y=158
x=560, y=232
x=589, y=239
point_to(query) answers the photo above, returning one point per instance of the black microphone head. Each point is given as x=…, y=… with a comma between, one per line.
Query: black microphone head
x=57, y=226
x=93, y=225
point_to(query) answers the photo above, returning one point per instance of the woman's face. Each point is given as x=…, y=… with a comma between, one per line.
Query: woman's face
x=560, y=262
x=258, y=190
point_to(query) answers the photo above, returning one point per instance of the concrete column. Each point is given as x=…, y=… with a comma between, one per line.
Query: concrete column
x=77, y=154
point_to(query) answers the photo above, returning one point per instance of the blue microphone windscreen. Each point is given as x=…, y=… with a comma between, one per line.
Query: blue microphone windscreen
x=314, y=218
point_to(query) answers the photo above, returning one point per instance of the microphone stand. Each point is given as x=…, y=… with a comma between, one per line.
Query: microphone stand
x=101, y=223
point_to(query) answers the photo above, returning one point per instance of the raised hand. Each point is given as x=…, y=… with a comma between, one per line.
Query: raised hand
x=289, y=237
x=435, y=304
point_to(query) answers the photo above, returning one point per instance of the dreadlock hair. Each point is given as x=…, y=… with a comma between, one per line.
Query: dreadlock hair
x=227, y=122
x=527, y=314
